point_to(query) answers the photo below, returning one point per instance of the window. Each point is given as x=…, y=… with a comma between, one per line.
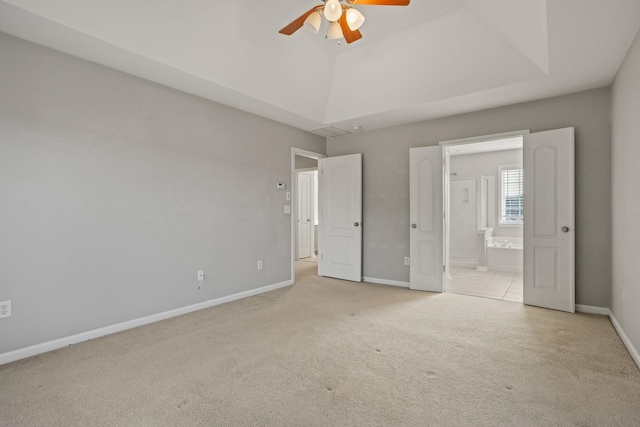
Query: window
x=511, y=195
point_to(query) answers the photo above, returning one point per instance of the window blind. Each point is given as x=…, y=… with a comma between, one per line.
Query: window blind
x=512, y=196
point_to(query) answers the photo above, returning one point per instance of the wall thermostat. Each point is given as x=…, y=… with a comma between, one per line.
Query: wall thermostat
x=280, y=185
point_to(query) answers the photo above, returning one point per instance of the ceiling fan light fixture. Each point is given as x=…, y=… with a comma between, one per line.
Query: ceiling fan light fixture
x=313, y=22
x=332, y=10
x=355, y=19
x=334, y=31
x=343, y=19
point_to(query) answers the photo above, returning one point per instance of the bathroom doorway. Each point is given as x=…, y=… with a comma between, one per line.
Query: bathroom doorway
x=484, y=195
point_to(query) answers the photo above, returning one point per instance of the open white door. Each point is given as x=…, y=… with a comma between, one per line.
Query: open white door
x=549, y=220
x=341, y=217
x=304, y=214
x=426, y=219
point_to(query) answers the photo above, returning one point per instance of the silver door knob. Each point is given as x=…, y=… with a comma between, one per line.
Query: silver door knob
x=356, y=224
x=565, y=229
x=414, y=226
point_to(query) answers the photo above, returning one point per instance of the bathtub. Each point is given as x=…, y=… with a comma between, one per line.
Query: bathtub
x=504, y=254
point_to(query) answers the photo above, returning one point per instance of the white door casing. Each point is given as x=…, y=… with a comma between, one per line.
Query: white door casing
x=341, y=217
x=304, y=214
x=426, y=219
x=549, y=220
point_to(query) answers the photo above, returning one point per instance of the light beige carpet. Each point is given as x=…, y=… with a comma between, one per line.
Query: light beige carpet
x=331, y=353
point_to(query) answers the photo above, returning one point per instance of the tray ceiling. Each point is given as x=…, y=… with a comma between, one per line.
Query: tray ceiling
x=432, y=58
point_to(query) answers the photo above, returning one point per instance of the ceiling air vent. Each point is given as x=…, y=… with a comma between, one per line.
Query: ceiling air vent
x=329, y=131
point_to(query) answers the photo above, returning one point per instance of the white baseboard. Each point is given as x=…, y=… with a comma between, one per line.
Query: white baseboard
x=386, y=282
x=589, y=309
x=33, y=350
x=625, y=339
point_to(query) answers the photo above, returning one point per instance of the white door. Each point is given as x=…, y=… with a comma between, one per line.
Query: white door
x=549, y=224
x=304, y=214
x=341, y=217
x=426, y=219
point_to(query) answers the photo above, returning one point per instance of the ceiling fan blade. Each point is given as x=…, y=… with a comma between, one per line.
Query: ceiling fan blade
x=349, y=36
x=295, y=25
x=380, y=2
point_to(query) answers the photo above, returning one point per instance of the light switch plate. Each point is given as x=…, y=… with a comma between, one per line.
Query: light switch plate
x=287, y=209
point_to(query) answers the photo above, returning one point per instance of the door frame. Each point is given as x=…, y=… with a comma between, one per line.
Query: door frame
x=313, y=155
x=447, y=147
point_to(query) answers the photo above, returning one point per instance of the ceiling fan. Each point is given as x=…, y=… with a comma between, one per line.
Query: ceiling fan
x=344, y=20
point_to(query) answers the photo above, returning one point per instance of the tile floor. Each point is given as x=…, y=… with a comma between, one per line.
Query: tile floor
x=488, y=284
x=469, y=281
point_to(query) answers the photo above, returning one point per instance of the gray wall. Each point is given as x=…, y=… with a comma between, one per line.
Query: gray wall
x=115, y=190
x=305, y=162
x=386, y=180
x=625, y=292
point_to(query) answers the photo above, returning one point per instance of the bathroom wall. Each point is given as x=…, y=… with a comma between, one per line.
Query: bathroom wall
x=471, y=165
x=465, y=201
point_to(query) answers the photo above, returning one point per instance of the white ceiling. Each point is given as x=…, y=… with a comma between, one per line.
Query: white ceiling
x=430, y=59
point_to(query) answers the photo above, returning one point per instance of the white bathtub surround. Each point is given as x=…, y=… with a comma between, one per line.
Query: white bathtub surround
x=505, y=254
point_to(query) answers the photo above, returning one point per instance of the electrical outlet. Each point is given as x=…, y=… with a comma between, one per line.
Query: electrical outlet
x=407, y=260
x=200, y=275
x=5, y=309
x=259, y=264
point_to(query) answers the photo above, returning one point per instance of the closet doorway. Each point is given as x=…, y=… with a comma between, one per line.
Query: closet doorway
x=304, y=212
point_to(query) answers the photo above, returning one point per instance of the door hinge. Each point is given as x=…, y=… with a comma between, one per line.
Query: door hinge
x=444, y=268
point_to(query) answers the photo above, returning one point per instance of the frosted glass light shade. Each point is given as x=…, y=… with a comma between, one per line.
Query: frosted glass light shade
x=334, y=31
x=332, y=10
x=354, y=19
x=313, y=21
